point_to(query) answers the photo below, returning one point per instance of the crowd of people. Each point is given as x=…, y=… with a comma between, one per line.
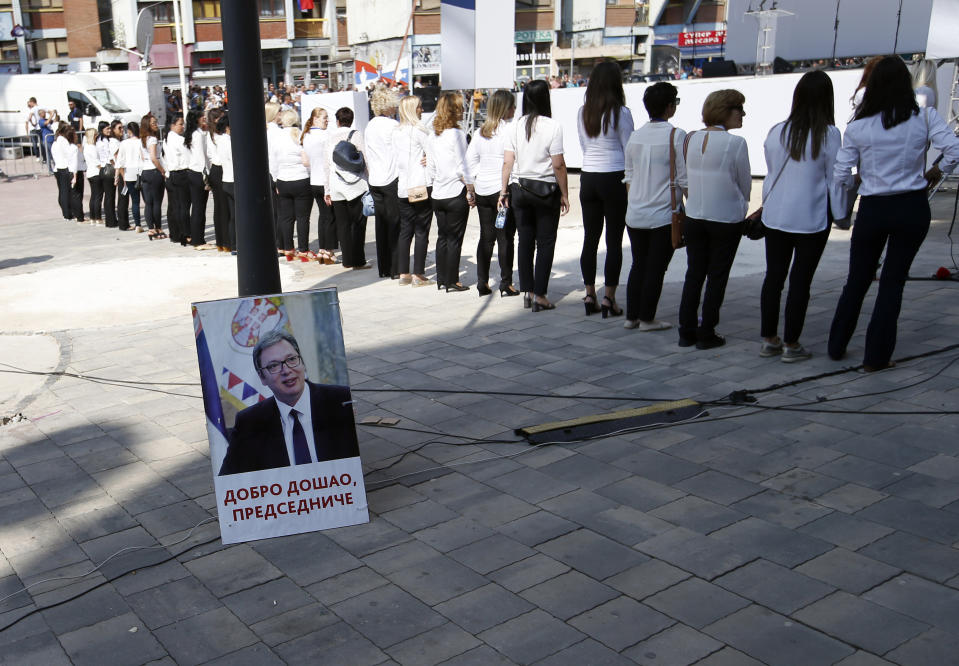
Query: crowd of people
x=668, y=189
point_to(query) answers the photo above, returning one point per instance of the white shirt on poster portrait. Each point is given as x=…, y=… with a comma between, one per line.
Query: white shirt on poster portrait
x=305, y=418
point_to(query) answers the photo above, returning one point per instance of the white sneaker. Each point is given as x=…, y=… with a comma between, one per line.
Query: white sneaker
x=768, y=349
x=631, y=323
x=655, y=325
x=793, y=354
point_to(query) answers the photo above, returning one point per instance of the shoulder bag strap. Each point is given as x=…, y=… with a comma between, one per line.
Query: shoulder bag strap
x=776, y=180
x=686, y=145
x=672, y=170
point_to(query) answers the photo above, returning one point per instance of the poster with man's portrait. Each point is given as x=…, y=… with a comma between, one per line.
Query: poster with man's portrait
x=279, y=415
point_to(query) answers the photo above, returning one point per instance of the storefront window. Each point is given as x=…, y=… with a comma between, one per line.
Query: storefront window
x=271, y=8
x=532, y=61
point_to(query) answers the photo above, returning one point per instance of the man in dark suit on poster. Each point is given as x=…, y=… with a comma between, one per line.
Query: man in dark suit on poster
x=302, y=423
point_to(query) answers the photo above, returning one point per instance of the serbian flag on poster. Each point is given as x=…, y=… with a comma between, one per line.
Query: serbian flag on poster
x=365, y=72
x=215, y=423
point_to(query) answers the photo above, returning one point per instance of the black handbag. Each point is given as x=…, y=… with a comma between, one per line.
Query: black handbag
x=347, y=157
x=538, y=188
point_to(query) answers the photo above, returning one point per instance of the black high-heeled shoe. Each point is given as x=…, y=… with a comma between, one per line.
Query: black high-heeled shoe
x=527, y=301
x=590, y=302
x=508, y=290
x=456, y=287
x=484, y=289
x=608, y=308
x=537, y=306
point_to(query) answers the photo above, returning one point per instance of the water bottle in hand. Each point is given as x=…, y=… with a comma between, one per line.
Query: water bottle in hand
x=501, y=218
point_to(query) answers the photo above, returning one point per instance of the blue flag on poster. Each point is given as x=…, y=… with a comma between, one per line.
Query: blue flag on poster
x=215, y=423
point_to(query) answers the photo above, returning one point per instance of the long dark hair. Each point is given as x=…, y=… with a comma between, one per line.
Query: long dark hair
x=133, y=129
x=535, y=104
x=212, y=116
x=812, y=114
x=192, y=124
x=146, y=129
x=889, y=92
x=604, y=100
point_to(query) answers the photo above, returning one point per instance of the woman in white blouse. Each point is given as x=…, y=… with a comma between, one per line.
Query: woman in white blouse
x=176, y=157
x=717, y=166
x=224, y=151
x=485, y=160
x=65, y=158
x=293, y=194
x=533, y=155
x=650, y=205
x=107, y=145
x=92, y=159
x=344, y=192
x=215, y=180
x=128, y=161
x=416, y=213
x=888, y=140
x=604, y=126
x=313, y=141
x=198, y=167
x=800, y=154
x=152, y=173
x=381, y=163
x=452, y=189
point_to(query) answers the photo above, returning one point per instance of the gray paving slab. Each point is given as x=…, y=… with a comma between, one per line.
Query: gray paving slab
x=569, y=594
x=778, y=544
x=293, y=624
x=484, y=607
x=585, y=652
x=172, y=602
x=204, y=637
x=697, y=514
x=696, y=603
x=921, y=599
x=620, y=622
x=387, y=615
x=491, y=553
x=345, y=585
x=37, y=649
x=701, y=555
x=267, y=600
x=437, y=579
x=778, y=588
x=719, y=487
x=530, y=637
x=591, y=553
x=338, y=643
x=455, y=533
x=850, y=532
x=252, y=655
x=847, y=570
x=678, y=645
x=112, y=641
x=434, y=646
x=228, y=571
x=915, y=518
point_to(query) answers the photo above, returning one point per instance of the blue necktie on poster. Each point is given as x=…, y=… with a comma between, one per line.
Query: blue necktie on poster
x=301, y=452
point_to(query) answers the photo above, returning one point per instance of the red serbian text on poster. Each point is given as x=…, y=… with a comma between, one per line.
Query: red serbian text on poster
x=702, y=38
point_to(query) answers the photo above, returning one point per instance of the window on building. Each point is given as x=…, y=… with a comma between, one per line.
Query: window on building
x=43, y=4
x=162, y=11
x=206, y=9
x=271, y=8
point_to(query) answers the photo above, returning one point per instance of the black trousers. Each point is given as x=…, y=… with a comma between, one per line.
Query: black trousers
x=351, y=230
x=198, y=198
x=220, y=231
x=229, y=216
x=96, y=196
x=278, y=237
x=110, y=197
x=489, y=234
x=798, y=256
x=123, y=212
x=295, y=201
x=537, y=220
x=451, y=215
x=899, y=224
x=652, y=251
x=326, y=225
x=387, y=226
x=64, y=184
x=415, y=221
x=602, y=196
x=178, y=208
x=151, y=183
x=710, y=251
x=76, y=197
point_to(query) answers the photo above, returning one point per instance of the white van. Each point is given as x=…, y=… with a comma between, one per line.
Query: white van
x=54, y=91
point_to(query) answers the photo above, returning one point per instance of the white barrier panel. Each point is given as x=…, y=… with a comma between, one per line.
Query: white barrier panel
x=357, y=101
x=768, y=101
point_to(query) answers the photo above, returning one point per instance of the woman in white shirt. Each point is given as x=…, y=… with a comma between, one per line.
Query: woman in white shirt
x=65, y=162
x=128, y=159
x=648, y=160
x=924, y=83
x=888, y=140
x=533, y=155
x=381, y=163
x=416, y=214
x=313, y=141
x=152, y=174
x=485, y=160
x=452, y=189
x=271, y=111
x=197, y=168
x=800, y=155
x=177, y=158
x=215, y=180
x=604, y=126
x=111, y=194
x=717, y=166
x=294, y=197
x=92, y=159
x=224, y=151
x=344, y=191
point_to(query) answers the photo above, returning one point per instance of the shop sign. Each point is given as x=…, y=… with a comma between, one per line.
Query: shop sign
x=526, y=36
x=702, y=38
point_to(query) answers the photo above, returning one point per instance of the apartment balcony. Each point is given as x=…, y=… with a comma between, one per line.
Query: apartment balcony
x=311, y=28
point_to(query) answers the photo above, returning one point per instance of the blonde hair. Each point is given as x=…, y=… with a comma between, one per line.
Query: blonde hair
x=449, y=112
x=308, y=125
x=90, y=136
x=270, y=109
x=382, y=100
x=925, y=75
x=408, y=106
x=290, y=120
x=496, y=110
x=719, y=103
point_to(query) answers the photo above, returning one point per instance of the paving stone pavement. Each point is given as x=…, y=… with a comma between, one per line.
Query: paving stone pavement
x=750, y=535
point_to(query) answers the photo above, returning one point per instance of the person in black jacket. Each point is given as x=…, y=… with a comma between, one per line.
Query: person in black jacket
x=302, y=423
